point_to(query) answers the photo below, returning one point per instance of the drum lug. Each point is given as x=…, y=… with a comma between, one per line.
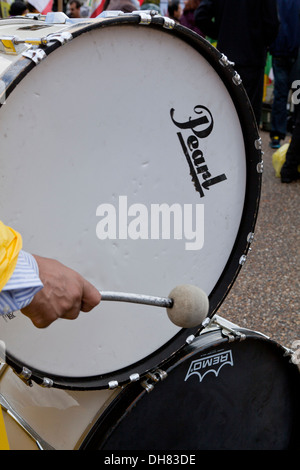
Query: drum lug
x=225, y=61
x=168, y=23
x=236, y=79
x=258, y=144
x=145, y=16
x=228, y=329
x=25, y=376
x=155, y=376
x=233, y=335
x=260, y=167
x=113, y=384
x=63, y=37
x=36, y=55
x=47, y=383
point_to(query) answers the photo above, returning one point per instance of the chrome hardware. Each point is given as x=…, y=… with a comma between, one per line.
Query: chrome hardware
x=168, y=23
x=154, y=376
x=258, y=144
x=148, y=387
x=12, y=45
x=236, y=79
x=62, y=37
x=242, y=260
x=260, y=167
x=41, y=444
x=157, y=375
x=25, y=376
x=145, y=16
x=134, y=377
x=228, y=329
x=47, y=383
x=190, y=339
x=113, y=384
x=250, y=237
x=36, y=55
x=225, y=61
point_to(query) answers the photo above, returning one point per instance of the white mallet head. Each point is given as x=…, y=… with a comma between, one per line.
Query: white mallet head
x=190, y=306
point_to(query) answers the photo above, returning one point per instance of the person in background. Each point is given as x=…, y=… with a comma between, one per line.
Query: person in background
x=187, y=18
x=284, y=53
x=174, y=10
x=18, y=8
x=289, y=171
x=127, y=6
x=74, y=9
x=244, y=29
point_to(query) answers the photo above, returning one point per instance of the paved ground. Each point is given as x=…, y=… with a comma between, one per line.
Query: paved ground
x=266, y=295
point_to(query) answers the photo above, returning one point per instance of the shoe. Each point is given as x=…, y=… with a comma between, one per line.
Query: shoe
x=275, y=142
x=290, y=179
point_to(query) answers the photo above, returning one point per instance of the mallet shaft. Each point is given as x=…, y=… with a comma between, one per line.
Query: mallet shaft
x=137, y=299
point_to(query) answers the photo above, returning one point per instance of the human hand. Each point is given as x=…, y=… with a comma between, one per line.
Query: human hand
x=64, y=295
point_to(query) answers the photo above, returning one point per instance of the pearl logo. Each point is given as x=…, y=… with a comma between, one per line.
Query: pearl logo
x=199, y=127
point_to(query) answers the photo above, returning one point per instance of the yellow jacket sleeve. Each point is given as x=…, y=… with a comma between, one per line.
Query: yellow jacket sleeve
x=10, y=246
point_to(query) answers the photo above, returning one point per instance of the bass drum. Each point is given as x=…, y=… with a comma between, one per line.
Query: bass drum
x=231, y=388
x=219, y=395
x=136, y=161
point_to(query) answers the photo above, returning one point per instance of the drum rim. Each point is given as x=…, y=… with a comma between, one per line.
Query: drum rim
x=130, y=395
x=240, y=248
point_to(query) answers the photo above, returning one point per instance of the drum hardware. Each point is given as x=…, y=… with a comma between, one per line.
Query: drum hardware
x=36, y=55
x=228, y=329
x=41, y=444
x=155, y=377
x=250, y=237
x=113, y=384
x=191, y=338
x=225, y=61
x=237, y=79
x=14, y=45
x=258, y=144
x=242, y=260
x=260, y=167
x=26, y=374
x=187, y=306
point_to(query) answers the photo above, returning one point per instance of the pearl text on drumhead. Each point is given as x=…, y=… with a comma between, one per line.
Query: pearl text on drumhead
x=199, y=127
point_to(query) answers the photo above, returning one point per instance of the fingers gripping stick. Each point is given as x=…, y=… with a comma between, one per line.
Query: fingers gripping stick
x=187, y=306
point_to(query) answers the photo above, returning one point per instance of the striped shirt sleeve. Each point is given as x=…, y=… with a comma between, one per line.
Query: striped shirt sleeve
x=22, y=286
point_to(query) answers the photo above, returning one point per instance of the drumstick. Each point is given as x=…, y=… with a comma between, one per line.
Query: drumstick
x=187, y=305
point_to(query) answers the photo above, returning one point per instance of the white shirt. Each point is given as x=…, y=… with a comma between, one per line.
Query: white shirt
x=22, y=286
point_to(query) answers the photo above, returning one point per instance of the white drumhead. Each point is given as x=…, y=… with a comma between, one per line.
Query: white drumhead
x=91, y=126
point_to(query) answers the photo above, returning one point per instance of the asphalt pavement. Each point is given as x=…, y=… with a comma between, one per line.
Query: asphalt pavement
x=266, y=294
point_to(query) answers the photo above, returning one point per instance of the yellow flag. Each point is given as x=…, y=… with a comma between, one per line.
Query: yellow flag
x=4, y=445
